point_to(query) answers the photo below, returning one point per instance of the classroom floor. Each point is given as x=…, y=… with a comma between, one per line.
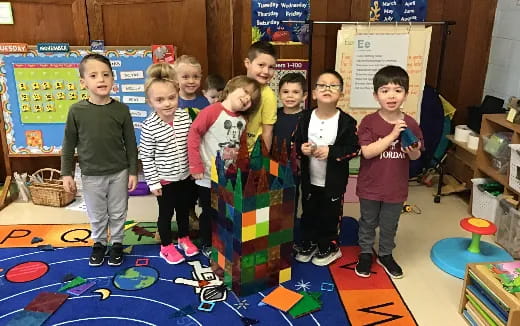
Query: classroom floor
x=432, y=296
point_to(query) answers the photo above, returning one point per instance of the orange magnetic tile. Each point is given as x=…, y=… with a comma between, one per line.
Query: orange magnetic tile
x=273, y=168
x=346, y=279
x=221, y=260
x=282, y=298
x=249, y=218
x=379, y=306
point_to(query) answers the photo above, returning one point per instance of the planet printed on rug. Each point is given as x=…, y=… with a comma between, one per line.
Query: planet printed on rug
x=136, y=278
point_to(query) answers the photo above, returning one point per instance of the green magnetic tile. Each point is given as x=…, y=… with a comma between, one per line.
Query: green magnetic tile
x=262, y=229
x=247, y=261
x=308, y=304
x=247, y=274
x=261, y=257
x=262, y=200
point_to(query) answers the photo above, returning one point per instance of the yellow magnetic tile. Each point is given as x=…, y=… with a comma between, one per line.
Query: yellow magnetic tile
x=249, y=233
x=285, y=275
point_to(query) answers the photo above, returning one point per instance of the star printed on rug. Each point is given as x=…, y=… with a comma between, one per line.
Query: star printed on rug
x=241, y=304
x=303, y=286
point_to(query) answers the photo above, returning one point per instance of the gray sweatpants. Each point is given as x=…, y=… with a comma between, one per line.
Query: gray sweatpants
x=386, y=216
x=106, y=198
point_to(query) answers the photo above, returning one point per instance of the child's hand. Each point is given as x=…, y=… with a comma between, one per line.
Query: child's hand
x=399, y=126
x=197, y=176
x=412, y=149
x=132, y=182
x=308, y=148
x=157, y=192
x=69, y=184
x=321, y=153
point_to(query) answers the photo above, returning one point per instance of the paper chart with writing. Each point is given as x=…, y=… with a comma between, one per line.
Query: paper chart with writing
x=419, y=46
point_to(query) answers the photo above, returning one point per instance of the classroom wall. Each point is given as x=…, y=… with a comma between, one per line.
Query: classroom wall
x=218, y=32
x=502, y=77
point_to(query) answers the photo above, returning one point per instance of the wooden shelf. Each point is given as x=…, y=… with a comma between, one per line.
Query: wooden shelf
x=492, y=123
x=461, y=144
x=511, y=303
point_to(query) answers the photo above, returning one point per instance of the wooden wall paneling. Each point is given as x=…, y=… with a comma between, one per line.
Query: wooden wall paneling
x=147, y=22
x=457, y=11
x=219, y=25
x=476, y=56
x=434, y=12
x=47, y=21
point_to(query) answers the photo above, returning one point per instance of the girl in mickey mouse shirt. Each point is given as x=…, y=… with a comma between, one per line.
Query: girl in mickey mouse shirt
x=218, y=128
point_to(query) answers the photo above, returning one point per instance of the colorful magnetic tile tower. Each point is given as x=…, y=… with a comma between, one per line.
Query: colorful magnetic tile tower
x=253, y=235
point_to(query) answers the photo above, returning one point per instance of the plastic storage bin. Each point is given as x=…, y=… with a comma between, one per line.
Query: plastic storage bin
x=484, y=204
x=508, y=228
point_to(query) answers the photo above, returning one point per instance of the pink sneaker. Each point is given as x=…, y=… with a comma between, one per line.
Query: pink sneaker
x=171, y=255
x=189, y=248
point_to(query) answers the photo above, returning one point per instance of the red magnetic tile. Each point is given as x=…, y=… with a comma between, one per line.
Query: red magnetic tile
x=47, y=302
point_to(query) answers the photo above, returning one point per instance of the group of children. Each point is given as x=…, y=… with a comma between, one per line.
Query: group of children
x=185, y=131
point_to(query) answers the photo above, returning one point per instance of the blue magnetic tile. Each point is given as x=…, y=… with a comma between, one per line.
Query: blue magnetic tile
x=28, y=318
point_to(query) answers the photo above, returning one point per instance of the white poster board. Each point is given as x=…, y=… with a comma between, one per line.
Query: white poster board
x=371, y=53
x=417, y=58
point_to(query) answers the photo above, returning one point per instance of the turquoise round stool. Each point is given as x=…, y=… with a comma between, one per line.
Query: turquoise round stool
x=452, y=255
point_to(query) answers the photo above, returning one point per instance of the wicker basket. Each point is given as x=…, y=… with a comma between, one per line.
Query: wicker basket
x=50, y=192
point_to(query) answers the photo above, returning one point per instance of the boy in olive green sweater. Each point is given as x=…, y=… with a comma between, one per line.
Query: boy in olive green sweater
x=102, y=131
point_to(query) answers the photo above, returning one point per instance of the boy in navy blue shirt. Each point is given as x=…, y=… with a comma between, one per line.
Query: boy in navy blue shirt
x=292, y=90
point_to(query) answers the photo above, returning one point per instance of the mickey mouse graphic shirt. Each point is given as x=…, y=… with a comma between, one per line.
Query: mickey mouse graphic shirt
x=384, y=177
x=214, y=130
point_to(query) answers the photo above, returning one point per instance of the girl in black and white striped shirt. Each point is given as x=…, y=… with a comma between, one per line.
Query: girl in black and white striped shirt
x=164, y=153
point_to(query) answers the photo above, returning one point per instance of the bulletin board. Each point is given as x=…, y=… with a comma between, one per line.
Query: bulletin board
x=37, y=89
x=417, y=58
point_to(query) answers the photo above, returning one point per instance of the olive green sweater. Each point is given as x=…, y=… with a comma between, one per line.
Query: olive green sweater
x=104, y=136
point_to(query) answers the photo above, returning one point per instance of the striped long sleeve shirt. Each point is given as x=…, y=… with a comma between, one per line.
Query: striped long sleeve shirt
x=163, y=149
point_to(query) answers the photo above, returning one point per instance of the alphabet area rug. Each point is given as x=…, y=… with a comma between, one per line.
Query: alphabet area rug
x=69, y=235
x=145, y=290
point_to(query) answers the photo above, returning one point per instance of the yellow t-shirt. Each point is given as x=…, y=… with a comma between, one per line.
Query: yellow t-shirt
x=265, y=115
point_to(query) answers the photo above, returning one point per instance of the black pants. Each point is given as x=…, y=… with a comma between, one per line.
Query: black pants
x=208, y=215
x=176, y=198
x=321, y=216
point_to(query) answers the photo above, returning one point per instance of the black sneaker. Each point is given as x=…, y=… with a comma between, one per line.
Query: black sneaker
x=390, y=266
x=364, y=264
x=306, y=252
x=206, y=251
x=327, y=256
x=116, y=254
x=98, y=254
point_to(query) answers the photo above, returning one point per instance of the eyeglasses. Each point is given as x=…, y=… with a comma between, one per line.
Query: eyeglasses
x=332, y=88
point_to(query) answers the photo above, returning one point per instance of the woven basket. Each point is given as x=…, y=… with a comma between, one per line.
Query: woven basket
x=50, y=192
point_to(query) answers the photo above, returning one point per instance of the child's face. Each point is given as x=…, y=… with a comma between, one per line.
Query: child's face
x=163, y=98
x=97, y=79
x=261, y=68
x=241, y=98
x=212, y=95
x=390, y=97
x=328, y=89
x=189, y=77
x=292, y=95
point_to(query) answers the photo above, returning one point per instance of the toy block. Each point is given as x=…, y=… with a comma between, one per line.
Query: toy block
x=261, y=257
x=262, y=229
x=249, y=204
x=285, y=275
x=276, y=196
x=262, y=200
x=249, y=232
x=247, y=261
x=262, y=215
x=249, y=218
x=260, y=271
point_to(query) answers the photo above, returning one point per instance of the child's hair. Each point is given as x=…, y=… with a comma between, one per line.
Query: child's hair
x=93, y=56
x=335, y=73
x=214, y=82
x=243, y=81
x=261, y=47
x=160, y=72
x=391, y=75
x=187, y=59
x=293, y=77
